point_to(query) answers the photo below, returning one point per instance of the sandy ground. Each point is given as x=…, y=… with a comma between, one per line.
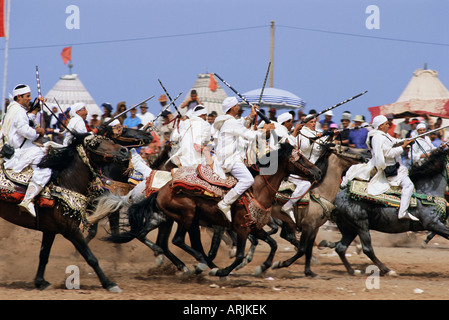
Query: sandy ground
x=422, y=273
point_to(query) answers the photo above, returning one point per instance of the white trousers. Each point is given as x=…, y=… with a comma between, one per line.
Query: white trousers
x=301, y=188
x=407, y=192
x=244, y=177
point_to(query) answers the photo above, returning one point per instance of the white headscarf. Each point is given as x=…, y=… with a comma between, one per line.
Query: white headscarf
x=228, y=103
x=76, y=107
x=377, y=121
x=284, y=117
x=20, y=91
x=421, y=126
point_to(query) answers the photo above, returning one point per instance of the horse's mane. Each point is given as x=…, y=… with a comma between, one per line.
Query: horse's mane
x=58, y=159
x=432, y=166
x=284, y=151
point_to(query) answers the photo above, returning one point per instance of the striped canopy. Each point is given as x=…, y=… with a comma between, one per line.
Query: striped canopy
x=273, y=98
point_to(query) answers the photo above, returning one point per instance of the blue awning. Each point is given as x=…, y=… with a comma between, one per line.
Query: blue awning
x=273, y=98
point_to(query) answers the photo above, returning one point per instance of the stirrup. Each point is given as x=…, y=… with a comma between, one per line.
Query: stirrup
x=28, y=206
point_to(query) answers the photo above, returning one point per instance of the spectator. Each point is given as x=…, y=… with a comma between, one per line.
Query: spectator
x=272, y=114
x=327, y=119
x=357, y=136
x=435, y=139
x=402, y=128
x=94, y=122
x=192, y=102
x=342, y=137
x=412, y=132
x=121, y=106
x=133, y=121
x=144, y=115
x=390, y=118
x=107, y=112
x=211, y=117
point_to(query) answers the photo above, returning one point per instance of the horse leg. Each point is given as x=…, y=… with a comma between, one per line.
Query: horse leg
x=341, y=247
x=196, y=250
x=77, y=239
x=264, y=236
x=47, y=242
x=162, y=242
x=308, y=253
x=249, y=256
x=215, y=242
x=92, y=232
x=367, y=248
x=242, y=236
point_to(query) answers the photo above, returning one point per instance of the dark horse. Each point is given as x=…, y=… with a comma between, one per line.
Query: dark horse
x=115, y=172
x=188, y=210
x=67, y=163
x=355, y=217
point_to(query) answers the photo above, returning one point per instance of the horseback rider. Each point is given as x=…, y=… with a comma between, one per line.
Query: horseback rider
x=229, y=155
x=192, y=137
x=77, y=122
x=420, y=151
x=18, y=133
x=386, y=164
x=283, y=130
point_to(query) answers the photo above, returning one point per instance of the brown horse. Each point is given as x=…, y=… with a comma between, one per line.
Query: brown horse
x=79, y=159
x=188, y=210
x=333, y=163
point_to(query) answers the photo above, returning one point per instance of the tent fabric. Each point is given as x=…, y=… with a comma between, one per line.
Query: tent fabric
x=211, y=99
x=69, y=90
x=424, y=94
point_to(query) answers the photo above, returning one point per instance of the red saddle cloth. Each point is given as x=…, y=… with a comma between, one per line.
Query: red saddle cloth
x=202, y=181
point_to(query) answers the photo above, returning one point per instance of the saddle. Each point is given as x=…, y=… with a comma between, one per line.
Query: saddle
x=203, y=181
x=357, y=190
x=13, y=186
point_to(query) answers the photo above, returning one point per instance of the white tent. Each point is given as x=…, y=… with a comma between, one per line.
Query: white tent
x=69, y=90
x=210, y=93
x=424, y=94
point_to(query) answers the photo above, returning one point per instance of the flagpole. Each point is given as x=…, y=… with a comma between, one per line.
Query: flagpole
x=5, y=73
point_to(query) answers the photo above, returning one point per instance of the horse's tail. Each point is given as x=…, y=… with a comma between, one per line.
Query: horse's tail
x=138, y=217
x=106, y=205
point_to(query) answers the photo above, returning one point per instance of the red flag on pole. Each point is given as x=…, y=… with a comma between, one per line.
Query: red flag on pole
x=2, y=18
x=66, y=54
x=212, y=82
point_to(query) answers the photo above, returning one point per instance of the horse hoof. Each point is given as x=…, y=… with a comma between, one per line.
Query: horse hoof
x=115, y=289
x=258, y=272
x=43, y=285
x=392, y=273
x=186, y=271
x=357, y=272
x=322, y=244
x=213, y=272
x=232, y=252
x=424, y=244
x=276, y=265
x=160, y=260
x=200, y=268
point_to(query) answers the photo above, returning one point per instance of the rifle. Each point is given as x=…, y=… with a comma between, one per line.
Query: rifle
x=42, y=121
x=260, y=114
x=171, y=100
x=308, y=118
x=145, y=127
x=400, y=142
x=122, y=113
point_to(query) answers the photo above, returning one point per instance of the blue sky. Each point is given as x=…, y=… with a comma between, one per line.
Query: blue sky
x=324, y=52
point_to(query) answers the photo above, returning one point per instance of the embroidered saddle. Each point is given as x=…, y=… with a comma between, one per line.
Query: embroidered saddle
x=203, y=181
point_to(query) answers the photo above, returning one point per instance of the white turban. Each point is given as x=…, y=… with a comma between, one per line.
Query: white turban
x=284, y=117
x=200, y=112
x=377, y=121
x=114, y=123
x=189, y=113
x=76, y=107
x=228, y=103
x=421, y=126
x=21, y=91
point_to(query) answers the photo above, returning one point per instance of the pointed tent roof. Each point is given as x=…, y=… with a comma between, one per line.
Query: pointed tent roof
x=69, y=90
x=424, y=94
x=211, y=99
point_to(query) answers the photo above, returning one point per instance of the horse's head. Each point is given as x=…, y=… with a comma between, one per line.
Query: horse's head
x=127, y=136
x=352, y=155
x=298, y=164
x=103, y=150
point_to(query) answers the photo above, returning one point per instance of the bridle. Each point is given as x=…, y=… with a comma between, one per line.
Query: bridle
x=91, y=142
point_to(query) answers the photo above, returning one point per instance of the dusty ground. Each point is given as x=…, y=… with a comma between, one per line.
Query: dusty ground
x=422, y=273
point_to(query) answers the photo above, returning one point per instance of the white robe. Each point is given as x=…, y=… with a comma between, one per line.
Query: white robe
x=77, y=125
x=416, y=152
x=310, y=149
x=229, y=150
